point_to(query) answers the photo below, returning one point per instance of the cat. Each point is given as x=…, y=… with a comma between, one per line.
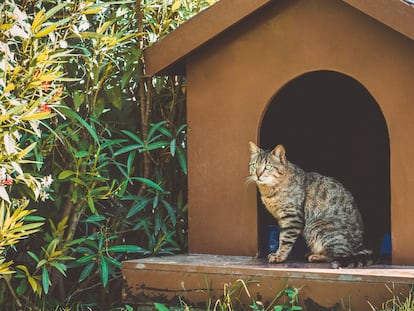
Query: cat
x=308, y=203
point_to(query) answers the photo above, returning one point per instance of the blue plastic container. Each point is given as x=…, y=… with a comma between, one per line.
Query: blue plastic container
x=271, y=242
x=386, y=245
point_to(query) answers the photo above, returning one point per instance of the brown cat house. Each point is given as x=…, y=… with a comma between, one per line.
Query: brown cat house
x=331, y=80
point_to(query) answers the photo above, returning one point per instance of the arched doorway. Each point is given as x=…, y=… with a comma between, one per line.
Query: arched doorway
x=329, y=123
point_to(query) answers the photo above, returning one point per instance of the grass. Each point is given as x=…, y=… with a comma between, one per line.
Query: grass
x=285, y=300
x=398, y=301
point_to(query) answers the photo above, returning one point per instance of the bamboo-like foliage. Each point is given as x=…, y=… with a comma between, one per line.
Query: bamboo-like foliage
x=89, y=143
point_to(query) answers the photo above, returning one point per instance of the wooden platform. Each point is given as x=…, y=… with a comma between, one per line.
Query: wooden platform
x=200, y=280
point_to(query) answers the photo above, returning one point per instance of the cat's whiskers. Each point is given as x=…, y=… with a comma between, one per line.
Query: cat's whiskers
x=251, y=180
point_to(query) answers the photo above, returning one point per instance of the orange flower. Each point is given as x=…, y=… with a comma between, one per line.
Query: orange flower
x=45, y=108
x=8, y=181
x=46, y=85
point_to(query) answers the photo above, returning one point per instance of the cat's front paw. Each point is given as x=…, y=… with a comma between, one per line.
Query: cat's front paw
x=275, y=258
x=318, y=258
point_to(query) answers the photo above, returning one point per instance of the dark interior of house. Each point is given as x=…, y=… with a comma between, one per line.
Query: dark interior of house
x=329, y=123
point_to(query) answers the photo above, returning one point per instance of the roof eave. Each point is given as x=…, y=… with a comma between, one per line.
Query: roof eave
x=166, y=55
x=396, y=14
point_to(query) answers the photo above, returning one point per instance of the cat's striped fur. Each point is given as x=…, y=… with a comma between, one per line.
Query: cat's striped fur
x=311, y=204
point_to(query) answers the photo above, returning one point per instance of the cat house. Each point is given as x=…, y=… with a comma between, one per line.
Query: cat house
x=331, y=80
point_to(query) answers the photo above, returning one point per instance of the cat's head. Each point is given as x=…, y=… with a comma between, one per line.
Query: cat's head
x=267, y=167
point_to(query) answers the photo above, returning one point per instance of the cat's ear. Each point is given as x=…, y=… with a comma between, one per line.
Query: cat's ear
x=280, y=153
x=254, y=149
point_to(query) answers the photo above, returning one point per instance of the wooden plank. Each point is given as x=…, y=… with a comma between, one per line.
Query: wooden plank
x=198, y=278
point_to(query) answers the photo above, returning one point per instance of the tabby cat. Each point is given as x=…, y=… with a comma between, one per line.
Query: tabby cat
x=311, y=204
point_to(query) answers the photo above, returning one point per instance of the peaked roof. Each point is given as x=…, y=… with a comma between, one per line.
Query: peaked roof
x=167, y=56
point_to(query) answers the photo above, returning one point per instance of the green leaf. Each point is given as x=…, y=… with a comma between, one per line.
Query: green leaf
x=78, y=98
x=54, y=10
x=113, y=262
x=101, y=241
x=254, y=306
x=45, y=280
x=156, y=145
x=79, y=181
x=138, y=207
x=126, y=77
x=81, y=154
x=181, y=129
x=94, y=219
x=157, y=222
x=77, y=241
x=65, y=174
x=72, y=114
x=24, y=152
x=84, y=250
x=111, y=142
x=155, y=201
x=160, y=307
x=33, y=255
x=154, y=127
x=34, y=218
x=171, y=211
x=60, y=267
x=85, y=259
x=173, y=144
x=165, y=131
x=126, y=249
x=182, y=160
x=128, y=149
x=41, y=263
x=86, y=272
x=20, y=290
x=99, y=107
x=133, y=136
x=130, y=162
x=91, y=205
x=91, y=241
x=149, y=183
x=152, y=139
x=104, y=271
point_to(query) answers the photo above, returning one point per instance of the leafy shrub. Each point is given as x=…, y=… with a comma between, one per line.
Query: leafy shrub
x=93, y=166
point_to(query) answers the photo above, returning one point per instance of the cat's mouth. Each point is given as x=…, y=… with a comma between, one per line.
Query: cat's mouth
x=263, y=181
x=259, y=180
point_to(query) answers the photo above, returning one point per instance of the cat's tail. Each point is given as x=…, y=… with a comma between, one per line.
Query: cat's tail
x=360, y=259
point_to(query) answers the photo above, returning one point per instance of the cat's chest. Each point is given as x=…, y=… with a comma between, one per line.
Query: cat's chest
x=283, y=202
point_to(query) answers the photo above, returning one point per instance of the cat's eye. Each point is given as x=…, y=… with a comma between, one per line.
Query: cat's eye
x=268, y=167
x=253, y=165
